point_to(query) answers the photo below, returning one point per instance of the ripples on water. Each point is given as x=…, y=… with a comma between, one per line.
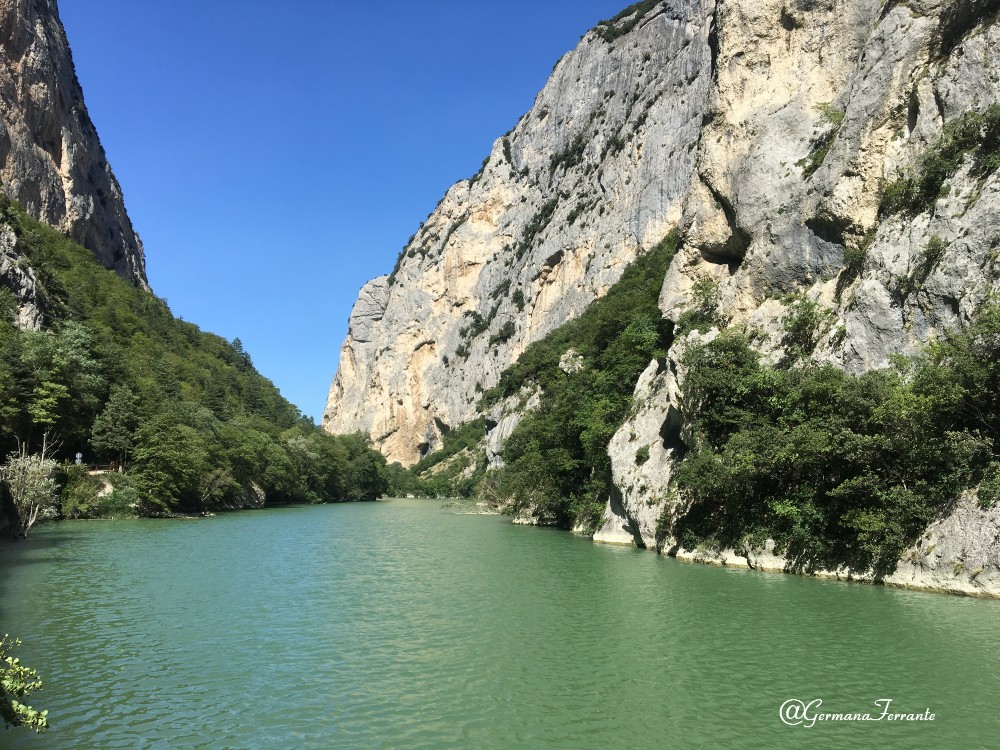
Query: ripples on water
x=402, y=625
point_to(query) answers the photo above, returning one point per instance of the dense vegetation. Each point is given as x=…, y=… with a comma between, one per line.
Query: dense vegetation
x=556, y=460
x=183, y=413
x=454, y=470
x=837, y=469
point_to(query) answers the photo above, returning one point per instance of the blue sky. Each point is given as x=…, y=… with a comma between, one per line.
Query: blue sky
x=274, y=157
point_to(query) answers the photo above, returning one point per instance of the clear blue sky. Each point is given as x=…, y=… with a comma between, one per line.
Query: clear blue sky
x=275, y=156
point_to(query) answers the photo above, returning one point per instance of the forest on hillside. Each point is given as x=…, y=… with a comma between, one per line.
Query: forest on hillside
x=180, y=418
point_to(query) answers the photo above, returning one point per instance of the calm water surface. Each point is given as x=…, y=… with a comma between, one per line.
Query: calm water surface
x=404, y=625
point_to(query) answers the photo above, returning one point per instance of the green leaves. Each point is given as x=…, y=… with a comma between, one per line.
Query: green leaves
x=119, y=379
x=975, y=134
x=839, y=470
x=16, y=682
x=556, y=459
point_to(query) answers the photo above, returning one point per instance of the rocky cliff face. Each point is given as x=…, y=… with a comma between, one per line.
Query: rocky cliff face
x=816, y=109
x=596, y=171
x=774, y=133
x=51, y=160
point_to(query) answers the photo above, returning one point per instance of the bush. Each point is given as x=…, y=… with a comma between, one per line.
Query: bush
x=974, y=133
x=804, y=322
x=625, y=21
x=118, y=377
x=838, y=470
x=16, y=683
x=700, y=313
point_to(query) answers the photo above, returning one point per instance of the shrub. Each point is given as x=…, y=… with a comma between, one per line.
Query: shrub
x=16, y=683
x=804, y=322
x=625, y=21
x=700, y=314
x=838, y=470
x=556, y=458
x=974, y=133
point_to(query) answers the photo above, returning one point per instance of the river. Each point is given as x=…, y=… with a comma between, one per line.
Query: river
x=402, y=624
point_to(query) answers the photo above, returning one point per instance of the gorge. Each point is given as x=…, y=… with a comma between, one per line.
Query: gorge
x=829, y=169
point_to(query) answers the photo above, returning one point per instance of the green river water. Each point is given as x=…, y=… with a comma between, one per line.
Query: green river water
x=402, y=624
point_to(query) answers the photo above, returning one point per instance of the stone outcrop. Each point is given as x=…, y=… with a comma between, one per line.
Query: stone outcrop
x=768, y=131
x=51, y=160
x=19, y=279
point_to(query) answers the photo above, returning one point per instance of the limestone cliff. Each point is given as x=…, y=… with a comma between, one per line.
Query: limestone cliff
x=774, y=133
x=51, y=160
x=816, y=109
x=597, y=170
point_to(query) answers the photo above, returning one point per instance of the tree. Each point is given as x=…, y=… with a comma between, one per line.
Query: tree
x=30, y=480
x=170, y=460
x=16, y=681
x=114, y=429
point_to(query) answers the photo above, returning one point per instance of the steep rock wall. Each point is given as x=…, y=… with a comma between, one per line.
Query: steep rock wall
x=594, y=173
x=816, y=108
x=775, y=128
x=51, y=160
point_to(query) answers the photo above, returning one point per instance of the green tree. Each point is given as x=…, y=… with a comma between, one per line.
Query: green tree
x=115, y=427
x=30, y=479
x=170, y=460
x=16, y=682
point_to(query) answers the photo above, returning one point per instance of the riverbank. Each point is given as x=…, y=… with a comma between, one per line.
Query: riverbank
x=958, y=554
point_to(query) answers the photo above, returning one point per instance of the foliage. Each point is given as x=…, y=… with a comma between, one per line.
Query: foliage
x=446, y=471
x=114, y=429
x=556, y=459
x=839, y=470
x=625, y=21
x=570, y=156
x=975, y=133
x=16, y=682
x=518, y=299
x=117, y=377
x=30, y=480
x=700, y=314
x=504, y=334
x=989, y=488
x=855, y=256
x=803, y=324
x=536, y=226
x=824, y=142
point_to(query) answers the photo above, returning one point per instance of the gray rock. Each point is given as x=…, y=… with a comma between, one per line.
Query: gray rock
x=593, y=174
x=51, y=160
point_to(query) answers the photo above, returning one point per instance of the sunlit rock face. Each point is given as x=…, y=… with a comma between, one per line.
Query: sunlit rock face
x=51, y=160
x=594, y=173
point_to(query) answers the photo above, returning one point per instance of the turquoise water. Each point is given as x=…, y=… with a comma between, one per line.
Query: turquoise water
x=403, y=625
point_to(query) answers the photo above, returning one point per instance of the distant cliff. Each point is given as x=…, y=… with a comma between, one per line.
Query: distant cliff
x=51, y=160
